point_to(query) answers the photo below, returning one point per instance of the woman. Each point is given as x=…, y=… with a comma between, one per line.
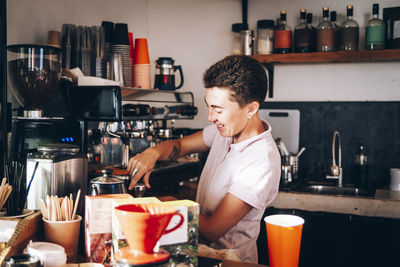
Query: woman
x=241, y=174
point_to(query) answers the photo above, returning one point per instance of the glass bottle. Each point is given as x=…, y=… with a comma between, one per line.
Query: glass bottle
x=302, y=34
x=283, y=36
x=325, y=33
x=313, y=39
x=337, y=29
x=375, y=31
x=349, y=32
x=360, y=172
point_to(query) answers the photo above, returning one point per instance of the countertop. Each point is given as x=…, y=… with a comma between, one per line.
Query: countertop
x=385, y=204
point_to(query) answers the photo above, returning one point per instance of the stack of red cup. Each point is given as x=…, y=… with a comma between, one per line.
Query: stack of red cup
x=141, y=67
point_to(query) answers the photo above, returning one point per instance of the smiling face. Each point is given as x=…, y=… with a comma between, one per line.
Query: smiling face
x=225, y=113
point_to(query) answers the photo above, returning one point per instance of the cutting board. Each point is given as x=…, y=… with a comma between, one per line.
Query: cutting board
x=285, y=124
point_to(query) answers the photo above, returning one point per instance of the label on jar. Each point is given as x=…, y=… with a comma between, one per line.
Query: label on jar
x=265, y=46
x=283, y=39
x=375, y=35
x=325, y=39
x=302, y=38
x=349, y=37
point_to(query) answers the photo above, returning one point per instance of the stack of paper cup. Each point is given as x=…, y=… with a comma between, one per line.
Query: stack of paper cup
x=121, y=46
x=54, y=38
x=141, y=67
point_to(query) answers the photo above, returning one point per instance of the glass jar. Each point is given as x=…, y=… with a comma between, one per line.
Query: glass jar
x=237, y=40
x=265, y=37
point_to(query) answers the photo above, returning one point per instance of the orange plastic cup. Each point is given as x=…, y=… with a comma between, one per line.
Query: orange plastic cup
x=284, y=239
x=141, y=52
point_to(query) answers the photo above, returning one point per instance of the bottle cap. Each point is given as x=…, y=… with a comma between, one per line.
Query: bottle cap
x=283, y=15
x=349, y=10
x=303, y=13
x=309, y=18
x=333, y=16
x=375, y=9
x=325, y=12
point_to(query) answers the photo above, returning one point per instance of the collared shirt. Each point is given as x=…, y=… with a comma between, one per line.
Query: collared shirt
x=249, y=170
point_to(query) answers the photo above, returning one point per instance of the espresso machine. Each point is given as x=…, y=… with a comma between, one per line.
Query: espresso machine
x=49, y=116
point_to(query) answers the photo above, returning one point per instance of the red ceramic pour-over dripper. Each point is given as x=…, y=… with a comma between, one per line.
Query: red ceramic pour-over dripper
x=144, y=224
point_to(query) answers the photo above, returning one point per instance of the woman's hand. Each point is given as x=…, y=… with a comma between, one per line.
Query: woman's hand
x=141, y=165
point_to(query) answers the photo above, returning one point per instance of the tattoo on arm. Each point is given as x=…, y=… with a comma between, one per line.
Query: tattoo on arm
x=176, y=150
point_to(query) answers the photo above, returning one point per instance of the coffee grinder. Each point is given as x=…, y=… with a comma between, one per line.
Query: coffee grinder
x=39, y=116
x=50, y=122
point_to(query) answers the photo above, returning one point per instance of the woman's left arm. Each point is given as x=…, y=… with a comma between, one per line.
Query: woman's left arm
x=228, y=213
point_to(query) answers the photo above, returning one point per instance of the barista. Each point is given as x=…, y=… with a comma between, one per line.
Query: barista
x=241, y=174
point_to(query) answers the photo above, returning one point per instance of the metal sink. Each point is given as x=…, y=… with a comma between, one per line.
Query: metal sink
x=338, y=191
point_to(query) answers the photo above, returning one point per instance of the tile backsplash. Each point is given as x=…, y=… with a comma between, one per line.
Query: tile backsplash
x=375, y=125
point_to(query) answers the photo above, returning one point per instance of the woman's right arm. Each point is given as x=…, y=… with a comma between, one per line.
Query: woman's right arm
x=144, y=162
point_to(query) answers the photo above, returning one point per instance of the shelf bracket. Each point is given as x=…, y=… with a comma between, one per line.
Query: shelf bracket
x=270, y=75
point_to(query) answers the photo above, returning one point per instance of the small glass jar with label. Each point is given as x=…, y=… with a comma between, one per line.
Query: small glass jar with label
x=237, y=39
x=265, y=37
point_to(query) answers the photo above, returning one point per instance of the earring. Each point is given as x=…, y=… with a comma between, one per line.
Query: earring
x=249, y=116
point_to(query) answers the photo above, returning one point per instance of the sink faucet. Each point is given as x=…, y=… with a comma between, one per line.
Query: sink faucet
x=336, y=171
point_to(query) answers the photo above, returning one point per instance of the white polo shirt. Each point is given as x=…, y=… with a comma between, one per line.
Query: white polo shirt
x=250, y=170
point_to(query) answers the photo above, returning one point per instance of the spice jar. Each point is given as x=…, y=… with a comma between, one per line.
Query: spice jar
x=237, y=40
x=265, y=37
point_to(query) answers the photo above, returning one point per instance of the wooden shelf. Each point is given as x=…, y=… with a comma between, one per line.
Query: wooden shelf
x=385, y=55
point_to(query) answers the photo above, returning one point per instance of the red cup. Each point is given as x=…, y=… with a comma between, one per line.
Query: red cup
x=284, y=239
x=131, y=44
x=141, y=52
x=144, y=224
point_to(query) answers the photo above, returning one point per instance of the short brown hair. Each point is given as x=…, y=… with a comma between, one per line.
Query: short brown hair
x=244, y=76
